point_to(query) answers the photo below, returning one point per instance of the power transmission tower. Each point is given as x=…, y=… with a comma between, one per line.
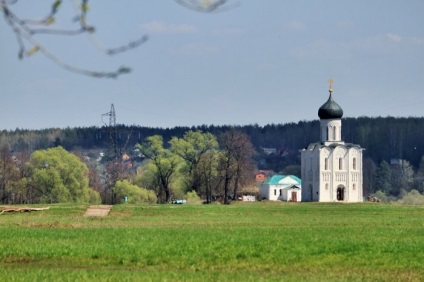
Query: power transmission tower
x=112, y=152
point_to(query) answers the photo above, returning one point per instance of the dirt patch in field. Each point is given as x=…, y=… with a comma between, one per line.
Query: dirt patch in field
x=102, y=210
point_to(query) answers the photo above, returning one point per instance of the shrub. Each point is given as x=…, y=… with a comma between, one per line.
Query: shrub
x=412, y=198
x=95, y=198
x=380, y=195
x=134, y=194
x=193, y=198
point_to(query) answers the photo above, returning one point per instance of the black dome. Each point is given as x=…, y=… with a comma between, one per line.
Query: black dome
x=330, y=110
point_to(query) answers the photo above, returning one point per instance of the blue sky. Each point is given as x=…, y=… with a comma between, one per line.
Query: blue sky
x=256, y=62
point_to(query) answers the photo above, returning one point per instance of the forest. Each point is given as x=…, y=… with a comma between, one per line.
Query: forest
x=383, y=138
x=392, y=158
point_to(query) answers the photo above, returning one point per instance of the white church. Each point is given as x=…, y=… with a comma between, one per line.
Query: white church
x=331, y=168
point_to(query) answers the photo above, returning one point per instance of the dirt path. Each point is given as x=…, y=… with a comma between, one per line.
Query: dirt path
x=102, y=210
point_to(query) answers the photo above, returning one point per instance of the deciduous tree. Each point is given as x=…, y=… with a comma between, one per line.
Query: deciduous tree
x=236, y=162
x=59, y=176
x=402, y=177
x=165, y=161
x=384, y=175
x=208, y=172
x=369, y=176
x=192, y=148
x=9, y=175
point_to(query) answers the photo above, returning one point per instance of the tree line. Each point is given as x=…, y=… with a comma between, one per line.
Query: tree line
x=212, y=168
x=382, y=137
x=392, y=157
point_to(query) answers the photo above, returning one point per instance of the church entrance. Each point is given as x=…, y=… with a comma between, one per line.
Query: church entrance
x=340, y=193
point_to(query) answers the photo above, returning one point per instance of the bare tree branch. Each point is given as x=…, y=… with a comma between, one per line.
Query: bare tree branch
x=26, y=29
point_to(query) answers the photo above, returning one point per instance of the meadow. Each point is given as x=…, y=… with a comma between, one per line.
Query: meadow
x=259, y=241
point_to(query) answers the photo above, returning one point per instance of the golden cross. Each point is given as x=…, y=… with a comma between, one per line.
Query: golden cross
x=330, y=82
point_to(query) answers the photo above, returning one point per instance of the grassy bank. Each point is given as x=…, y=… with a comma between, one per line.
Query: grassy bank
x=244, y=241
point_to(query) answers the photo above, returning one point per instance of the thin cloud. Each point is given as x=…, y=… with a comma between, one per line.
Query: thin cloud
x=160, y=27
x=55, y=84
x=418, y=40
x=345, y=25
x=379, y=45
x=294, y=25
x=321, y=49
x=394, y=37
x=232, y=31
x=196, y=49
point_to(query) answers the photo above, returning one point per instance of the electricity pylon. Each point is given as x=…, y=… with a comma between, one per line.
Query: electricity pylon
x=112, y=152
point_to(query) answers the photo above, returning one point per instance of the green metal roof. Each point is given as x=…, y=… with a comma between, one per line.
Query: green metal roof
x=283, y=180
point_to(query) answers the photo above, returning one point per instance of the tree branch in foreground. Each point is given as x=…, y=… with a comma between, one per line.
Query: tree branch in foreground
x=26, y=29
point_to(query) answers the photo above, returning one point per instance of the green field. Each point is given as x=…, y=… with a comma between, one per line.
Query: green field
x=243, y=241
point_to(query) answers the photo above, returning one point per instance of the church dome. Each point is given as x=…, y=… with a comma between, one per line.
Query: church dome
x=330, y=110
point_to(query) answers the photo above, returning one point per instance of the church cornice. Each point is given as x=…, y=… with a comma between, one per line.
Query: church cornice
x=320, y=146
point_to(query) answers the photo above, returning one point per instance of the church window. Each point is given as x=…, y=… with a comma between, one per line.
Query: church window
x=281, y=192
x=326, y=186
x=334, y=133
x=354, y=163
x=340, y=163
x=354, y=187
x=275, y=192
x=312, y=192
x=328, y=134
x=326, y=163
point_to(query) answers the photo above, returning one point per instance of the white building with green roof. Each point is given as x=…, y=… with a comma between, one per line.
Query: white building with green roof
x=282, y=188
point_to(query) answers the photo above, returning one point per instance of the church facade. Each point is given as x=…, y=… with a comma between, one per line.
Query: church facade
x=331, y=169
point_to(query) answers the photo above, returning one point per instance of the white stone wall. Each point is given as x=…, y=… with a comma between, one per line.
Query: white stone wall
x=272, y=193
x=264, y=191
x=310, y=170
x=331, y=130
x=325, y=169
x=288, y=195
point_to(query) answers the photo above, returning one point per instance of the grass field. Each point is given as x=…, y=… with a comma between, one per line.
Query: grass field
x=263, y=241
